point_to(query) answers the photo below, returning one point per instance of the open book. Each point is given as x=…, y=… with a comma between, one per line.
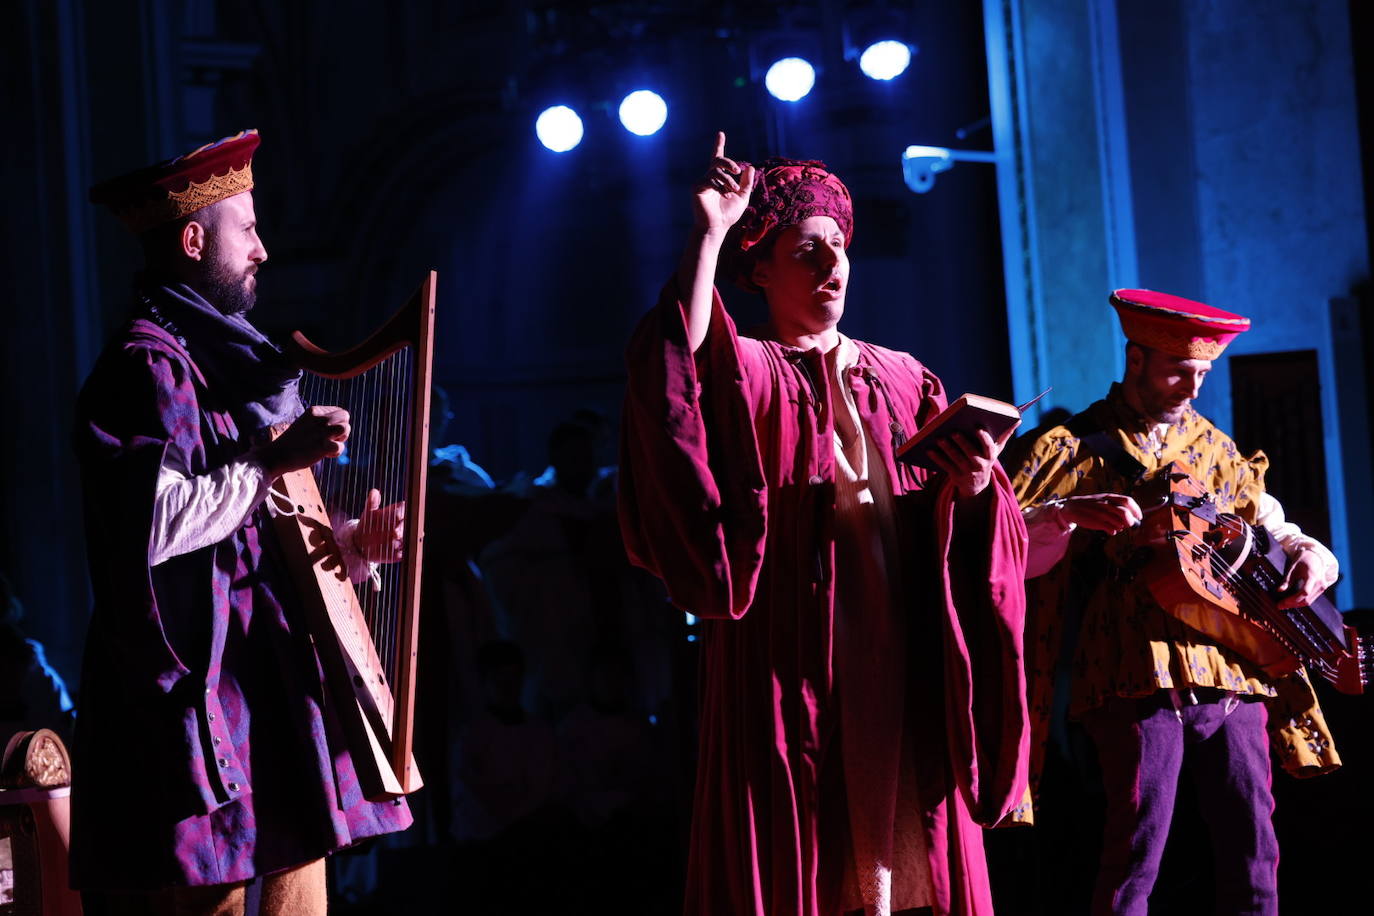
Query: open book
x=966, y=415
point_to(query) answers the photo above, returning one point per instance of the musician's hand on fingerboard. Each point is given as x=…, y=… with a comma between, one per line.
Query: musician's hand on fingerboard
x=1302, y=584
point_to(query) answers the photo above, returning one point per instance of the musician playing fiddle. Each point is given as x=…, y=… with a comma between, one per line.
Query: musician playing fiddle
x=205, y=757
x=1150, y=691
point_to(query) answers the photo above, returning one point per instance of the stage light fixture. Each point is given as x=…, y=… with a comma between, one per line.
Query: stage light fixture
x=558, y=128
x=643, y=112
x=920, y=164
x=885, y=59
x=790, y=79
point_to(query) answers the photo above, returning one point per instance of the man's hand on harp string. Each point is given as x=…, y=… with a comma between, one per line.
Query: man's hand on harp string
x=317, y=434
x=375, y=537
x=380, y=537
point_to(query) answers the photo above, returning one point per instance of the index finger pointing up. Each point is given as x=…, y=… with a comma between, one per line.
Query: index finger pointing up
x=720, y=144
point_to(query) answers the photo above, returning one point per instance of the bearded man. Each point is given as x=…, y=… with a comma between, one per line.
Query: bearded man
x=205, y=757
x=862, y=707
x=1154, y=694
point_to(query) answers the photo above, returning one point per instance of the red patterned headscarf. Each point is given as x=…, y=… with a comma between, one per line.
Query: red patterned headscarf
x=786, y=191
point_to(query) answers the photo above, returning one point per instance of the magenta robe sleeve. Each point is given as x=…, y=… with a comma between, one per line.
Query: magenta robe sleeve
x=985, y=681
x=693, y=502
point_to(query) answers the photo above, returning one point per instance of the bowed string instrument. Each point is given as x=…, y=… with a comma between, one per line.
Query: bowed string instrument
x=1220, y=575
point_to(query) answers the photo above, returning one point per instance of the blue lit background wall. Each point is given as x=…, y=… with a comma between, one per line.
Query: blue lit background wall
x=1208, y=150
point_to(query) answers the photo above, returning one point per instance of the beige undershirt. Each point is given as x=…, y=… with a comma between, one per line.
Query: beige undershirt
x=890, y=866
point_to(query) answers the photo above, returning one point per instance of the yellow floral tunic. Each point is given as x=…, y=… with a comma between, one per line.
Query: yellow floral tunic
x=1127, y=645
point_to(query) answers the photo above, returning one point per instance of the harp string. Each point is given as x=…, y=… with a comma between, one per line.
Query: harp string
x=379, y=402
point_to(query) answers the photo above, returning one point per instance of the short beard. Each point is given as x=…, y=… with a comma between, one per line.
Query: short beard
x=1158, y=411
x=228, y=293
x=1173, y=415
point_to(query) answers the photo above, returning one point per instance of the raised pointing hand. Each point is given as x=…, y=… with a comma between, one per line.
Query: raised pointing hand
x=722, y=195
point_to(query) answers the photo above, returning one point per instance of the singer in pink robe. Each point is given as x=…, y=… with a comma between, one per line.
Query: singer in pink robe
x=862, y=691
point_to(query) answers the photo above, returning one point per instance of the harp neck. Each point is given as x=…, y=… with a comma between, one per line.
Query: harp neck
x=411, y=325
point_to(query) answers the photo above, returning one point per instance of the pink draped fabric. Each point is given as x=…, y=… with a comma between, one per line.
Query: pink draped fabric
x=727, y=494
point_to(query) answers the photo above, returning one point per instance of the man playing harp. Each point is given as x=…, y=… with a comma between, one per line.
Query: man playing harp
x=204, y=758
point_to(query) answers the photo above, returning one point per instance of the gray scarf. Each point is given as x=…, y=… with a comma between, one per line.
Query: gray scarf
x=240, y=364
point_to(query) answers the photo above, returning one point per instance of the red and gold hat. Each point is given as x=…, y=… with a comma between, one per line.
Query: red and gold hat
x=1177, y=326
x=786, y=191
x=179, y=187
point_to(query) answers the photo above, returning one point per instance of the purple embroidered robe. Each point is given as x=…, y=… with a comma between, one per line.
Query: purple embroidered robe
x=203, y=751
x=727, y=494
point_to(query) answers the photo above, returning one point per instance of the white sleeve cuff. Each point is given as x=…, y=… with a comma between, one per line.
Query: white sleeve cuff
x=359, y=568
x=1292, y=539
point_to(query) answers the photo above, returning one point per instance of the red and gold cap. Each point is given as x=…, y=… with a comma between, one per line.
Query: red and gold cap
x=1174, y=325
x=179, y=187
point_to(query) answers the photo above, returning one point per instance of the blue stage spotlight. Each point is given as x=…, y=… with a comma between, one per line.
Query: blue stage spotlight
x=643, y=112
x=886, y=59
x=558, y=128
x=790, y=79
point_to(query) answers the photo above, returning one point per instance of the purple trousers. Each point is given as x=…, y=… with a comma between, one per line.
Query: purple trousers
x=1142, y=746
